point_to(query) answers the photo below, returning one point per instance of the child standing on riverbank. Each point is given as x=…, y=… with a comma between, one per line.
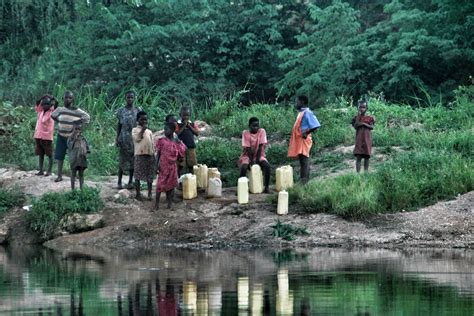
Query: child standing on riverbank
x=66, y=117
x=186, y=132
x=169, y=150
x=301, y=141
x=44, y=132
x=127, y=120
x=144, y=163
x=363, y=124
x=78, y=148
x=254, y=141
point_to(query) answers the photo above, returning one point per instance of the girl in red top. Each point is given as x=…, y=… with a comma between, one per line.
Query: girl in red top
x=169, y=150
x=44, y=132
x=363, y=125
x=253, y=142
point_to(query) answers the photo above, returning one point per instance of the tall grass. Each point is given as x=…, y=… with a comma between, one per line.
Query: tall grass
x=410, y=180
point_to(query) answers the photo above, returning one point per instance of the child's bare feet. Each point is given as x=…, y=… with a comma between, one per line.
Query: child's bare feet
x=47, y=174
x=139, y=197
x=58, y=179
x=119, y=187
x=157, y=206
x=266, y=190
x=129, y=186
x=168, y=205
x=39, y=173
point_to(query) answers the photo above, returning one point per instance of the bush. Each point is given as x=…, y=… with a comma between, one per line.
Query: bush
x=287, y=231
x=49, y=209
x=10, y=198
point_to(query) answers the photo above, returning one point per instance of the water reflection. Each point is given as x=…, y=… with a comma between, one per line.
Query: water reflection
x=179, y=282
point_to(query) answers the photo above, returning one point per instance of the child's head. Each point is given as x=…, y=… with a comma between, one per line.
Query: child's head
x=254, y=125
x=142, y=118
x=362, y=106
x=170, y=118
x=46, y=103
x=130, y=97
x=54, y=103
x=68, y=98
x=77, y=127
x=169, y=129
x=185, y=113
x=301, y=102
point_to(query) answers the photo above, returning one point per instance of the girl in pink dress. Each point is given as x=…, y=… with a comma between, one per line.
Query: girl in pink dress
x=169, y=151
x=253, y=142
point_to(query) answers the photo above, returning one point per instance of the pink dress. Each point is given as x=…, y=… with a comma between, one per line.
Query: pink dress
x=44, y=124
x=169, y=152
x=253, y=141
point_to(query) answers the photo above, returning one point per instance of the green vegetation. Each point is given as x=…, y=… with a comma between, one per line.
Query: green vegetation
x=413, y=51
x=409, y=181
x=10, y=198
x=230, y=61
x=49, y=209
x=287, y=231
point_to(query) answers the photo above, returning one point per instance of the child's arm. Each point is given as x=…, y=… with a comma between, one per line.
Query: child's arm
x=181, y=128
x=259, y=152
x=193, y=128
x=137, y=134
x=119, y=129
x=85, y=117
x=56, y=114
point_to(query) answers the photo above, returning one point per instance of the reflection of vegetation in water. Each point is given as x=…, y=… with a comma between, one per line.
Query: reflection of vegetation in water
x=287, y=256
x=72, y=283
x=77, y=282
x=377, y=294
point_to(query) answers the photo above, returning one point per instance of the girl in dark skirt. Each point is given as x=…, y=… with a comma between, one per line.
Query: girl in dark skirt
x=144, y=161
x=363, y=125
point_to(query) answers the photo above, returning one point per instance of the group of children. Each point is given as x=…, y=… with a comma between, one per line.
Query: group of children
x=69, y=138
x=170, y=156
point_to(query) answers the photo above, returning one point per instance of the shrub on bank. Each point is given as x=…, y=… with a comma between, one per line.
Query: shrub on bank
x=47, y=211
x=409, y=181
x=10, y=198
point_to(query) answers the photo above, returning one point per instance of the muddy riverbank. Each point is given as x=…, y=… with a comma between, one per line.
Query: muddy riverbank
x=222, y=223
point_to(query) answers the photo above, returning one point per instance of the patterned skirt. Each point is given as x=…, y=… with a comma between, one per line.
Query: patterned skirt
x=144, y=168
x=126, y=155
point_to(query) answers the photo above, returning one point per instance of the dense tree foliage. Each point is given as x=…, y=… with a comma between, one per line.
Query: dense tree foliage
x=410, y=51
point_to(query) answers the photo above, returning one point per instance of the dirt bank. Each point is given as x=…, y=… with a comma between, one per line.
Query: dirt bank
x=221, y=223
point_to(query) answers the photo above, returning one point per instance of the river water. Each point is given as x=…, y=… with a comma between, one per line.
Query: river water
x=84, y=281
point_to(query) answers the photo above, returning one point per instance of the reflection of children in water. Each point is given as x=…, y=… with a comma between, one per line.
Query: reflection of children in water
x=165, y=299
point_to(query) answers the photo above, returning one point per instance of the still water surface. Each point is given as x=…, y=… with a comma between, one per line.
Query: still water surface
x=38, y=281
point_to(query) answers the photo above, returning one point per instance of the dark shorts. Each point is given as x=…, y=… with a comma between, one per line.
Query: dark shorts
x=61, y=147
x=43, y=147
x=362, y=156
x=190, y=158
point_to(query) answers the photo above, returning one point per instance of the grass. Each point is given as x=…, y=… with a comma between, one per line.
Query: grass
x=408, y=181
x=47, y=211
x=10, y=198
x=439, y=136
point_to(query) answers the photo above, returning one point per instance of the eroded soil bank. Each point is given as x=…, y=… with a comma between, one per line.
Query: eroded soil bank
x=222, y=223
